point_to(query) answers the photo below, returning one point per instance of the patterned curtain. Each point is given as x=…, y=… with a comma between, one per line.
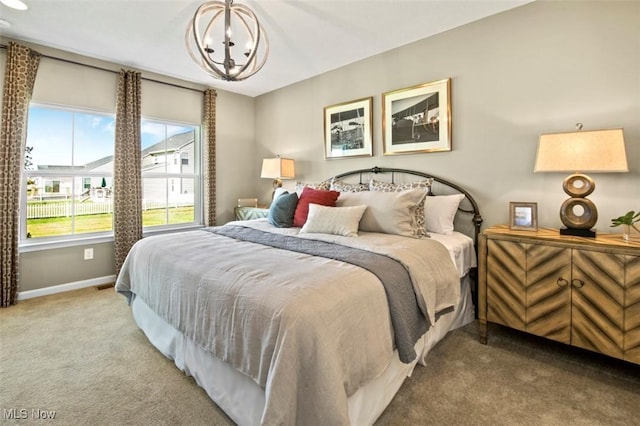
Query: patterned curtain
x=127, y=167
x=20, y=74
x=209, y=156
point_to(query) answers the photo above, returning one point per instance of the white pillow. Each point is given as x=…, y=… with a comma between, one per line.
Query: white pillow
x=333, y=220
x=439, y=211
x=387, y=212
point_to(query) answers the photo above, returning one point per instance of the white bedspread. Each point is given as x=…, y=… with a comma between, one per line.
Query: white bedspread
x=298, y=325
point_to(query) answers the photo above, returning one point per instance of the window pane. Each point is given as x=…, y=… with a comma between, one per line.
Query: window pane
x=49, y=206
x=154, y=201
x=163, y=145
x=56, y=207
x=181, y=200
x=93, y=207
x=154, y=147
x=49, y=138
x=93, y=139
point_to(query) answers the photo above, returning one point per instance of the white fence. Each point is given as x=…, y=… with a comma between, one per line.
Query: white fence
x=64, y=209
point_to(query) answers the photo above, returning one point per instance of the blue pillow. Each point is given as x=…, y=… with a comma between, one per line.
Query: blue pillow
x=282, y=210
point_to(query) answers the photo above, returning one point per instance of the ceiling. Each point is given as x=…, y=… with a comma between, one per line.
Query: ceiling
x=307, y=37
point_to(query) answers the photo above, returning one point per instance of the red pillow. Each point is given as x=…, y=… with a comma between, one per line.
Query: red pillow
x=312, y=196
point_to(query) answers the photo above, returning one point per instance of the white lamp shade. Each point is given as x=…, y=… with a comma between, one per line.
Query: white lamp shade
x=582, y=151
x=278, y=168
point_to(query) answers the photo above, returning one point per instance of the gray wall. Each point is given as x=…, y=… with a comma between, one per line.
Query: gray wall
x=535, y=69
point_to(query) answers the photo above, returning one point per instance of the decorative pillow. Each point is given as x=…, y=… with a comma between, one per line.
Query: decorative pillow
x=325, y=185
x=282, y=210
x=334, y=220
x=425, y=185
x=387, y=212
x=440, y=211
x=315, y=196
x=341, y=186
x=376, y=185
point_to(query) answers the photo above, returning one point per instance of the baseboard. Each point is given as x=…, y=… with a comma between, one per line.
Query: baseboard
x=29, y=294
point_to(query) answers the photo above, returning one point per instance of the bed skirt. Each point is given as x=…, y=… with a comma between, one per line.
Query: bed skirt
x=243, y=400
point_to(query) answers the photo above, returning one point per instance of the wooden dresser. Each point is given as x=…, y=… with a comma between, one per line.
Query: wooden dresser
x=580, y=291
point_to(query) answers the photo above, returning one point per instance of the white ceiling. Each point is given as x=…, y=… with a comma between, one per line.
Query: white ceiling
x=307, y=37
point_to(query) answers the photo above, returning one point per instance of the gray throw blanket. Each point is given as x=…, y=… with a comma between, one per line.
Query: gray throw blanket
x=406, y=318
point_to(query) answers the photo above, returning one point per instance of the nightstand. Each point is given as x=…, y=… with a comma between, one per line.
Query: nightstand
x=249, y=213
x=583, y=292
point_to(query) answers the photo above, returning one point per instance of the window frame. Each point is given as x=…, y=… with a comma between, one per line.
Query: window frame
x=60, y=241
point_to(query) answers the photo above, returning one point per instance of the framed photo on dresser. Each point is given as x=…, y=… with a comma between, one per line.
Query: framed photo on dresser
x=523, y=216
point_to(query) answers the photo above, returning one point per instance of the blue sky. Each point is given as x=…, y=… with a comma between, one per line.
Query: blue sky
x=50, y=132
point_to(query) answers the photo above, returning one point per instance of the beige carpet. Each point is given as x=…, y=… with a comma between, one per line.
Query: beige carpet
x=81, y=355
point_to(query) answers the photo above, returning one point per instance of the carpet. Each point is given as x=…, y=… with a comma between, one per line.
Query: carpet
x=80, y=357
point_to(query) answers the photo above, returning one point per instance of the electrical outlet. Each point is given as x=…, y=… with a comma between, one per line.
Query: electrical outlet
x=88, y=254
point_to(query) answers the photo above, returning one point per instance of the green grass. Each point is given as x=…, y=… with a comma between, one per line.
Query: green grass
x=55, y=226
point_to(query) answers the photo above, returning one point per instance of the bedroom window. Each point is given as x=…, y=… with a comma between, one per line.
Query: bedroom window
x=68, y=173
x=170, y=187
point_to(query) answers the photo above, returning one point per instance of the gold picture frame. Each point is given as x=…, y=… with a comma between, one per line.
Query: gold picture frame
x=417, y=119
x=347, y=129
x=523, y=216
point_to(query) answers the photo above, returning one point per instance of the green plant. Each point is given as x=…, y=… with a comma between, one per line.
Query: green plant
x=628, y=219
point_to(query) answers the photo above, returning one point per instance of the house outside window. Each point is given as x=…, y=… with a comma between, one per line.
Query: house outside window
x=68, y=175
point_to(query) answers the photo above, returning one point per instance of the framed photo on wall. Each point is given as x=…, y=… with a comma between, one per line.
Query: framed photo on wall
x=347, y=129
x=523, y=216
x=417, y=119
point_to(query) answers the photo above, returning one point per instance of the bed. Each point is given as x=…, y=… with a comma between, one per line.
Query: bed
x=319, y=322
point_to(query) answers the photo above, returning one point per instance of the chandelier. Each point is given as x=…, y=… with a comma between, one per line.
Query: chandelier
x=210, y=44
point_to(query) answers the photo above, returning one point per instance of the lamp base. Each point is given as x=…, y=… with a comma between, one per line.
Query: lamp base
x=589, y=233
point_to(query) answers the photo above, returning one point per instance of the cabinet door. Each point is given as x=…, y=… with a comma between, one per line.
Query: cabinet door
x=549, y=292
x=506, y=293
x=597, y=301
x=632, y=309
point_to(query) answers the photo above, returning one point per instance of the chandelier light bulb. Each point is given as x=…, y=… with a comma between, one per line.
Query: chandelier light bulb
x=211, y=26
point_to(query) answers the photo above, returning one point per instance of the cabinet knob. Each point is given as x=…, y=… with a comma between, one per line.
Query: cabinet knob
x=577, y=283
x=562, y=282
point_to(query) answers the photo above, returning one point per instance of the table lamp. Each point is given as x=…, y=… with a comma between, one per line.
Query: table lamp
x=596, y=151
x=278, y=169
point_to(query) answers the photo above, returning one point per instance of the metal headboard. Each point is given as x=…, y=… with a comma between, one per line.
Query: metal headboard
x=473, y=210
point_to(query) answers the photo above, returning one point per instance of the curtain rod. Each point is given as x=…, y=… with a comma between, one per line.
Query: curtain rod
x=69, y=61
